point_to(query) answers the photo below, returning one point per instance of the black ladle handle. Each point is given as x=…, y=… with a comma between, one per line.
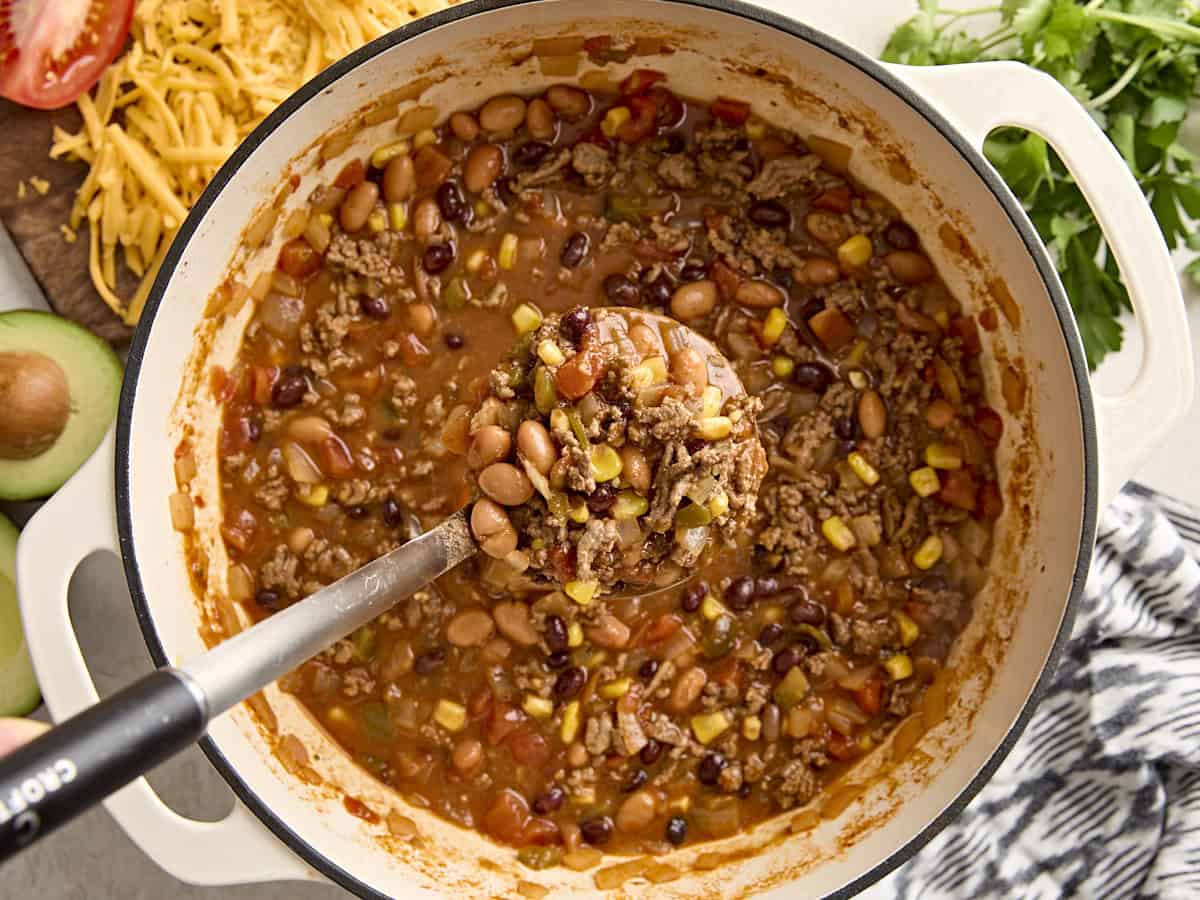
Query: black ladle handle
x=75, y=765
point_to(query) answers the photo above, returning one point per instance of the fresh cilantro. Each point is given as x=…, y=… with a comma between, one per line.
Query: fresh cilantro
x=1135, y=65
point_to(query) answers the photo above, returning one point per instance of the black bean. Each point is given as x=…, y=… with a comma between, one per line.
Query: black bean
x=393, y=513
x=785, y=660
x=766, y=586
x=711, y=767
x=269, y=599
x=574, y=249
x=770, y=633
x=695, y=444
x=569, y=683
x=806, y=612
x=648, y=669
x=933, y=583
x=658, y=292
x=356, y=512
x=900, y=236
x=740, y=593
x=504, y=188
x=575, y=324
x=253, y=430
x=559, y=659
x=620, y=289
x=375, y=307
x=694, y=596
x=677, y=829
x=770, y=214
x=597, y=831
x=289, y=390
x=437, y=257
x=782, y=277
x=636, y=780
x=556, y=633
x=530, y=153
x=744, y=791
x=813, y=306
x=451, y=201
x=650, y=752
x=693, y=272
x=812, y=377
x=675, y=143
x=845, y=427
x=551, y=800
x=601, y=500
x=428, y=661
x=454, y=340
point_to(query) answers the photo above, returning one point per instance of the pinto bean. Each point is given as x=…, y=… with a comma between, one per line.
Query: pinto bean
x=758, y=294
x=514, y=622
x=872, y=414
x=427, y=220
x=470, y=628
x=536, y=445
x=687, y=689
x=569, y=102
x=826, y=227
x=357, y=206
x=909, y=267
x=503, y=113
x=492, y=528
x=506, y=484
x=635, y=469
x=467, y=755
x=464, y=126
x=482, y=167
x=540, y=120
x=490, y=444
x=694, y=299
x=689, y=368
x=644, y=339
x=609, y=632
x=637, y=812
x=399, y=179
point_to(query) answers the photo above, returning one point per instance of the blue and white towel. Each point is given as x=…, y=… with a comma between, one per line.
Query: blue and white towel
x=1101, y=796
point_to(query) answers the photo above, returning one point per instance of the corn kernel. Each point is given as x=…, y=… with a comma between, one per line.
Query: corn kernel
x=942, y=318
x=756, y=129
x=476, y=260
x=614, y=689
x=630, y=505
x=909, y=630
x=711, y=608
x=614, y=119
x=707, y=727
x=377, y=221
x=537, y=544
x=570, y=722
x=751, y=728
x=925, y=481
x=385, y=154
x=773, y=326
x=718, y=504
x=863, y=469
x=559, y=420
x=930, y=551
x=595, y=660
x=483, y=209
x=773, y=614
x=424, y=138
x=711, y=401
x=681, y=804
x=526, y=318
x=943, y=456
x=837, y=533
x=578, y=511
x=549, y=353
x=582, y=592
x=855, y=252
x=856, y=354
x=338, y=716
x=715, y=427
x=398, y=216
x=783, y=366
x=326, y=219
x=315, y=495
x=857, y=379
x=866, y=743
x=651, y=371
x=605, y=462
x=538, y=707
x=450, y=715
x=899, y=666
x=506, y=256
x=574, y=634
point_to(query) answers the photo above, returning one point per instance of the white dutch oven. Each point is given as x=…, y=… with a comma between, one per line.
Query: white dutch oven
x=916, y=134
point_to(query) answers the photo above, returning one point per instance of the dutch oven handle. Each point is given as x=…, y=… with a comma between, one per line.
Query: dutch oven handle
x=980, y=97
x=75, y=523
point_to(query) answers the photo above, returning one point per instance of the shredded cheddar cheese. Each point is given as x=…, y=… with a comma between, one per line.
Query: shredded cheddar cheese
x=197, y=77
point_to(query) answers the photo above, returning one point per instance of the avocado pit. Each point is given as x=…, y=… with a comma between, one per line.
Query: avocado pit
x=36, y=400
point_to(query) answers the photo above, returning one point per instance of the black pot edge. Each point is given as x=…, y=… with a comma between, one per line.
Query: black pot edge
x=847, y=54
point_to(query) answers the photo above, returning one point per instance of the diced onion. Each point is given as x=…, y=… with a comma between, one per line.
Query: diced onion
x=300, y=465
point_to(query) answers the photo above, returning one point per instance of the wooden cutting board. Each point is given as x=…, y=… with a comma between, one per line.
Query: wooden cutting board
x=60, y=268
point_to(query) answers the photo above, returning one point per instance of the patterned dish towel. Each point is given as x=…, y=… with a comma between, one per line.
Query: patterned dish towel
x=1101, y=795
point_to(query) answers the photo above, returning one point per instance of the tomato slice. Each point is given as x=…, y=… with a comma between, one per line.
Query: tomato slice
x=52, y=51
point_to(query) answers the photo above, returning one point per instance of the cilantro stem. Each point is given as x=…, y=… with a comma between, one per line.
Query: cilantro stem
x=1156, y=24
x=996, y=38
x=1121, y=83
x=953, y=14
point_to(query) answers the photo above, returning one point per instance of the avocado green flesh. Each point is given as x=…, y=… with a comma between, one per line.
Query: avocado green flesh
x=93, y=373
x=18, y=687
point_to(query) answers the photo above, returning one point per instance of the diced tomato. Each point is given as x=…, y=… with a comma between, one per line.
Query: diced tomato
x=964, y=329
x=597, y=45
x=260, y=381
x=507, y=817
x=641, y=124
x=833, y=329
x=639, y=81
x=671, y=110
x=239, y=529
x=562, y=561
x=959, y=489
x=528, y=747
x=991, y=503
x=661, y=628
x=298, y=258
x=505, y=719
x=647, y=249
x=413, y=352
x=726, y=278
x=836, y=199
x=480, y=704
x=841, y=747
x=988, y=320
x=339, y=461
x=52, y=51
x=431, y=166
x=541, y=833
x=353, y=172
x=869, y=697
x=727, y=671
x=989, y=424
x=731, y=112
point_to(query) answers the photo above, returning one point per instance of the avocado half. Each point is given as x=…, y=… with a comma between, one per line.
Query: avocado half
x=61, y=355
x=18, y=687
